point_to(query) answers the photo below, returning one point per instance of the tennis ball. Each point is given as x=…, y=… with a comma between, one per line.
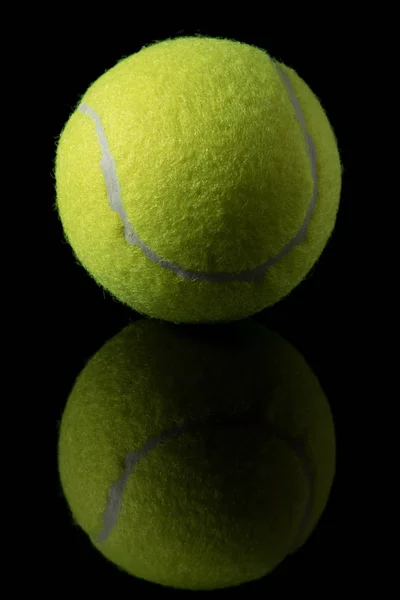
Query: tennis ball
x=196, y=457
x=198, y=180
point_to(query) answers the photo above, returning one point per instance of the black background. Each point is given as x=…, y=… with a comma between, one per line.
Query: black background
x=321, y=317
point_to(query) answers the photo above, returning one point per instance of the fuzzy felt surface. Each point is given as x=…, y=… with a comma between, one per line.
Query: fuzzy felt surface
x=215, y=506
x=214, y=176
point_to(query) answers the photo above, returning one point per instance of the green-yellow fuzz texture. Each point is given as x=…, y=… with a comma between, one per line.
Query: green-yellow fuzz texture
x=216, y=506
x=214, y=174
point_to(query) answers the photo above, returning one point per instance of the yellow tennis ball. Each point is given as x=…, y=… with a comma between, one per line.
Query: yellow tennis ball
x=197, y=457
x=198, y=180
